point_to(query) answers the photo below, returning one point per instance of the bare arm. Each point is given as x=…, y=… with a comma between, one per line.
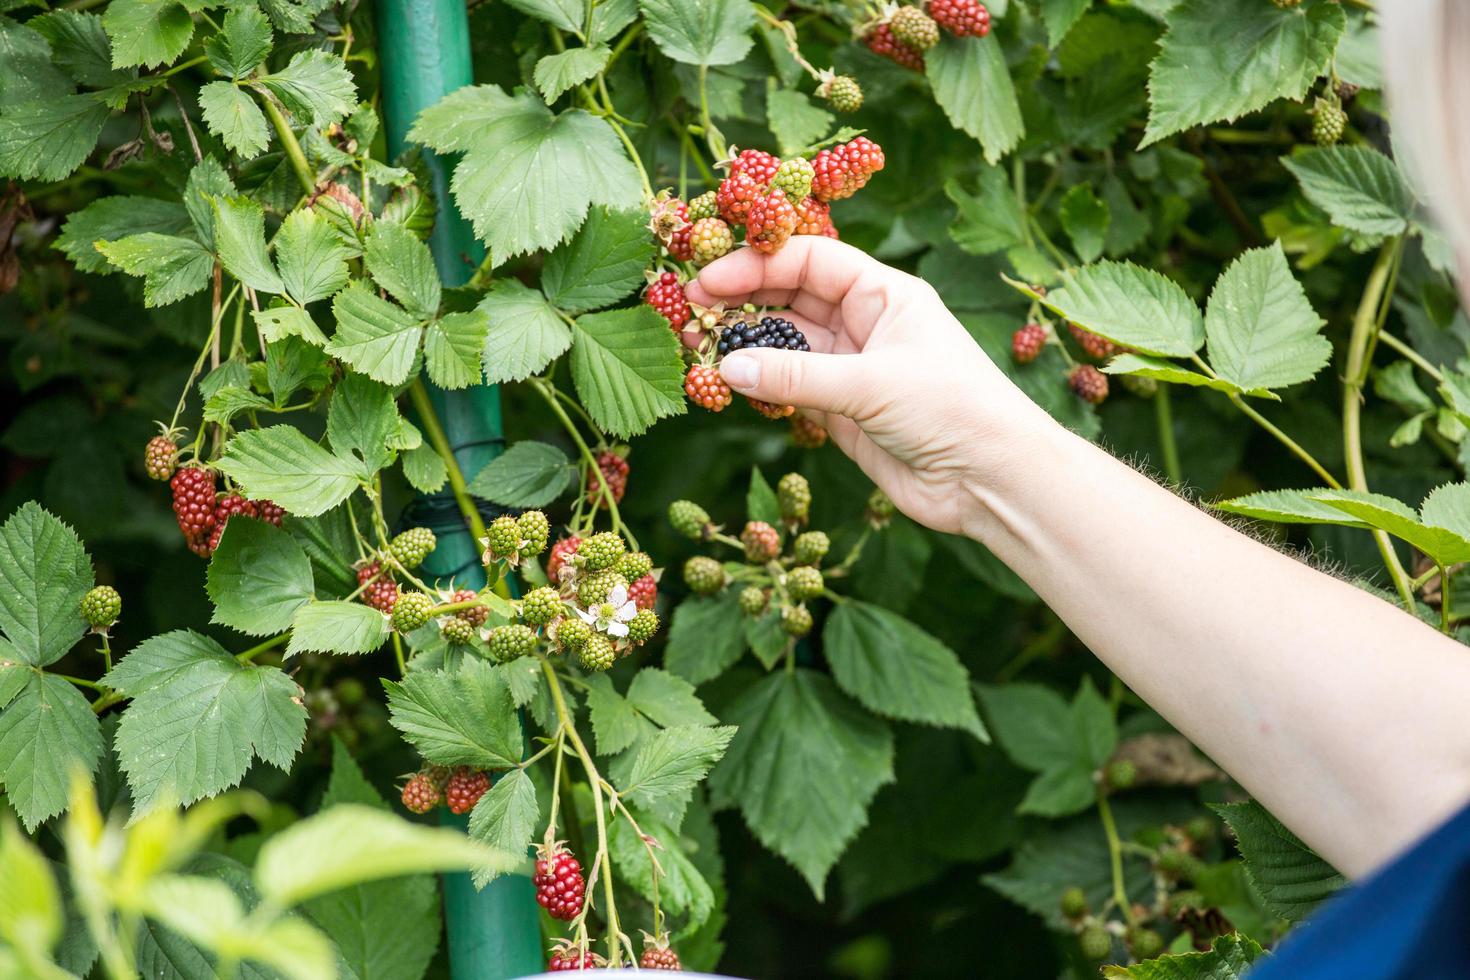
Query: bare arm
x=1345, y=716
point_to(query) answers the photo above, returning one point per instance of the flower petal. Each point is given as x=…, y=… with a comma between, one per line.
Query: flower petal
x=618, y=595
x=589, y=618
x=617, y=629
x=627, y=611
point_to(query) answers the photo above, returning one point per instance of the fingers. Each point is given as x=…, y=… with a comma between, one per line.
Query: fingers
x=821, y=339
x=813, y=265
x=831, y=383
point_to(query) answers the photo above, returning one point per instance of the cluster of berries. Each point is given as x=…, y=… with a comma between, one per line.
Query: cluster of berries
x=459, y=789
x=407, y=550
x=1085, y=380
x=567, y=955
x=740, y=330
x=202, y=512
x=774, y=581
x=600, y=601
x=904, y=33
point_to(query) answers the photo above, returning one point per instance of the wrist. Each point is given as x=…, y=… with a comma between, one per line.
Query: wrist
x=1011, y=473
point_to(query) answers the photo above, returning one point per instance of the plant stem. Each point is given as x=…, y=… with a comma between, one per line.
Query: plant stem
x=1167, y=445
x=260, y=648
x=1115, y=857
x=1286, y=441
x=1444, y=600
x=1411, y=355
x=1359, y=360
x=79, y=681
x=290, y=144
x=548, y=394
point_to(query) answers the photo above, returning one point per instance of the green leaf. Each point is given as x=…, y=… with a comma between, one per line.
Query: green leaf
x=111, y=218
x=666, y=700
x=1064, y=743
x=207, y=181
x=627, y=369
x=1262, y=331
x=528, y=474
x=46, y=731
x=452, y=348
x=1396, y=384
x=704, y=637
x=258, y=577
x=311, y=257
x=400, y=262
x=44, y=572
x=349, y=844
x=682, y=889
x=615, y=722
x=30, y=901
x=973, y=86
x=761, y=503
x=1132, y=306
x=197, y=717
x=990, y=221
x=506, y=817
x=239, y=234
x=363, y=423
x=525, y=333
x=242, y=43
x=315, y=86
x=1271, y=54
x=670, y=764
x=232, y=115
x=374, y=336
x=926, y=684
x=424, y=469
x=602, y=263
x=279, y=322
x=557, y=73
x=1288, y=507
x=147, y=33
x=1167, y=371
x=230, y=401
x=794, y=120
x=568, y=15
x=1084, y=217
x=1443, y=546
x=1359, y=188
x=337, y=626
x=48, y=139
x=700, y=32
x=1060, y=16
x=171, y=267
x=803, y=768
x=281, y=464
x=1448, y=507
x=527, y=177
x=460, y=719
x=79, y=45
x=1289, y=875
x=1229, y=958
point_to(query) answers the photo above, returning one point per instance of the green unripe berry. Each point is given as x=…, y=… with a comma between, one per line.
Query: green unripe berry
x=572, y=633
x=642, y=626
x=794, y=495
x=535, y=531
x=602, y=551
x=703, y=206
x=690, y=519
x=1120, y=774
x=703, y=575
x=880, y=507
x=597, y=653
x=595, y=588
x=913, y=27
x=1200, y=829
x=753, y=600
x=509, y=642
x=1140, y=385
x=1074, y=903
x=412, y=546
x=540, y=606
x=350, y=691
x=101, y=606
x=796, y=621
x=1182, y=901
x=411, y=611
x=810, y=548
x=804, y=582
x=1144, y=943
x=457, y=630
x=503, y=537
x=634, y=565
x=843, y=93
x=794, y=177
x=1096, y=942
x=1179, y=865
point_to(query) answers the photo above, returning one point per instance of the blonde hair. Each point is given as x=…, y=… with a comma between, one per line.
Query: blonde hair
x=1426, y=66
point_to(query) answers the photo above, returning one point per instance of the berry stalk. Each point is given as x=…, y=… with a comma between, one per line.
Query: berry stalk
x=589, y=459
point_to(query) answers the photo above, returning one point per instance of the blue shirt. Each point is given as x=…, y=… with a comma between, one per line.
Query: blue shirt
x=1407, y=921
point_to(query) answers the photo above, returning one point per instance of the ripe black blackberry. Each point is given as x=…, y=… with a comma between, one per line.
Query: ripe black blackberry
x=771, y=331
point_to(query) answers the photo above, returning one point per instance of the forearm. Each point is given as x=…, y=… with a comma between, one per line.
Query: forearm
x=1343, y=714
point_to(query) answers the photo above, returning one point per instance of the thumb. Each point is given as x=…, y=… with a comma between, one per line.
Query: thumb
x=823, y=382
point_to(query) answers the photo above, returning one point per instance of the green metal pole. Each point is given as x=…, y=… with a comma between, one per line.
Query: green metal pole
x=494, y=934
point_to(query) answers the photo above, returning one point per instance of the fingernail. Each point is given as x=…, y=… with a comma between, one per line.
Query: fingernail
x=741, y=371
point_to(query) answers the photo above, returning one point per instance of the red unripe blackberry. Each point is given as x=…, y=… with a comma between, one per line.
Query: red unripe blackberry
x=678, y=244
x=270, y=511
x=710, y=239
x=193, y=490
x=464, y=789
x=770, y=222
x=762, y=542
x=814, y=217
x=657, y=956
x=1089, y=384
x=1096, y=346
x=558, y=881
x=666, y=294
x=643, y=592
x=807, y=434
x=382, y=594
x=227, y=508
x=569, y=957
x=475, y=616
x=843, y=170
x=159, y=457
x=770, y=409
x=420, y=795
x=880, y=41
x=758, y=165
x=1027, y=343
x=612, y=468
x=560, y=552
x=962, y=18
x=706, y=388
x=735, y=196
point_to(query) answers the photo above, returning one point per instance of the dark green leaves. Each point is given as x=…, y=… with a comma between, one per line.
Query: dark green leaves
x=700, y=32
x=528, y=474
x=461, y=719
x=525, y=333
x=44, y=572
x=258, y=577
x=1289, y=875
x=48, y=139
x=281, y=464
x=705, y=637
x=505, y=818
x=973, y=86
x=1132, y=306
x=1065, y=744
x=46, y=730
x=603, y=263
x=1261, y=330
x=1359, y=188
x=1228, y=958
x=626, y=366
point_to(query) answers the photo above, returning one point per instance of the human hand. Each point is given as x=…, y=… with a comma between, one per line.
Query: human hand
x=893, y=376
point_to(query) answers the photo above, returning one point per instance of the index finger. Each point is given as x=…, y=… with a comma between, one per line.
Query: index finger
x=822, y=268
